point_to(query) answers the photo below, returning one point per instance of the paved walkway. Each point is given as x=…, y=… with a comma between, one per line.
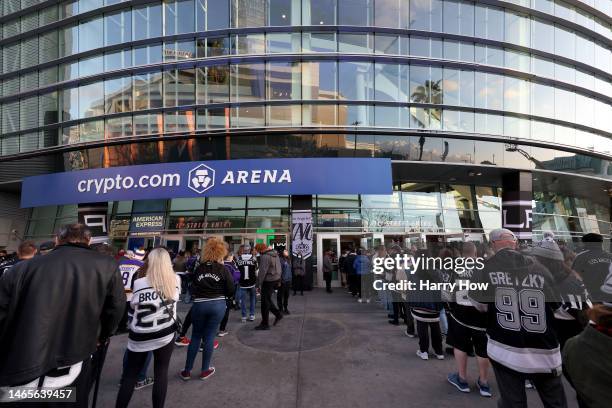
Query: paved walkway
x=330, y=352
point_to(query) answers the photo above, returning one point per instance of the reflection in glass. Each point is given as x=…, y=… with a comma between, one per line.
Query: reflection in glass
x=147, y=21
x=283, y=80
x=318, y=12
x=356, y=80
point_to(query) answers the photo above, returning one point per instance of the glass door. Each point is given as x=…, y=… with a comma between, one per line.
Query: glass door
x=328, y=242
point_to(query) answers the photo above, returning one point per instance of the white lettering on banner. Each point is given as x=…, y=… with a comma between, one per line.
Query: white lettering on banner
x=254, y=177
x=526, y=224
x=105, y=184
x=95, y=220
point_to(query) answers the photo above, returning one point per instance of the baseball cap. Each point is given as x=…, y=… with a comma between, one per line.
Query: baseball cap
x=139, y=254
x=502, y=234
x=47, y=246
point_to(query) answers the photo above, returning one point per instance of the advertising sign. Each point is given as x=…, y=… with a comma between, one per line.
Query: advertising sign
x=301, y=233
x=212, y=178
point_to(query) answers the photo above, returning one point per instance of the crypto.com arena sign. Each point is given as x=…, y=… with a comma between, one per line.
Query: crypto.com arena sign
x=211, y=178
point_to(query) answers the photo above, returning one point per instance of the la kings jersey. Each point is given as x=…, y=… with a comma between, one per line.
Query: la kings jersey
x=247, y=265
x=520, y=301
x=460, y=307
x=595, y=268
x=128, y=268
x=153, y=325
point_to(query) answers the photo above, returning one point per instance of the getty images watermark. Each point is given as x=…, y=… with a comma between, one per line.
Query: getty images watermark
x=463, y=267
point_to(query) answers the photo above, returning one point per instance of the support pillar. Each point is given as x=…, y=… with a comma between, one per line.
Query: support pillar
x=517, y=203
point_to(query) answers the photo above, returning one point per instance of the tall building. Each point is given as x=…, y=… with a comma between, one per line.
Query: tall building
x=491, y=113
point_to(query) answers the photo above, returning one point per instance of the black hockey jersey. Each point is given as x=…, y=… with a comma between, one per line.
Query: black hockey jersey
x=247, y=265
x=459, y=305
x=520, y=300
x=594, y=266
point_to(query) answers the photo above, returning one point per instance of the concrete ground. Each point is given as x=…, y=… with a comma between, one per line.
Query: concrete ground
x=330, y=352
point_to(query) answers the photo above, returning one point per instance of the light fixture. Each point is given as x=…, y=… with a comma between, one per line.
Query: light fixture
x=321, y=22
x=284, y=16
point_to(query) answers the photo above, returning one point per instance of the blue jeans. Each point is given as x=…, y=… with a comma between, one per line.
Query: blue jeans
x=142, y=374
x=205, y=318
x=252, y=300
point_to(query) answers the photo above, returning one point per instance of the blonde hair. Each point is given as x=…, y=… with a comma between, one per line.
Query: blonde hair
x=214, y=250
x=160, y=273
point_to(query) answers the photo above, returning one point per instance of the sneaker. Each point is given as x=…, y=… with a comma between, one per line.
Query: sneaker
x=359, y=300
x=182, y=341
x=215, y=345
x=251, y=318
x=410, y=334
x=205, y=375
x=440, y=356
x=144, y=383
x=529, y=385
x=460, y=384
x=243, y=320
x=262, y=327
x=223, y=333
x=422, y=354
x=484, y=389
x=185, y=375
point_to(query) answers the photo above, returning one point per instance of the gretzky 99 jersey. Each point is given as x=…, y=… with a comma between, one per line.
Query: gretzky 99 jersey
x=247, y=265
x=128, y=268
x=520, y=301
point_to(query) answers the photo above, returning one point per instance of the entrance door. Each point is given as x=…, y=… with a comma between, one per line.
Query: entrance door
x=328, y=242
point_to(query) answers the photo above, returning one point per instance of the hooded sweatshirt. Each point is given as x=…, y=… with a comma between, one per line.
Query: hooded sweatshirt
x=270, y=269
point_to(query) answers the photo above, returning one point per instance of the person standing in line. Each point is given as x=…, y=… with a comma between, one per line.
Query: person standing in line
x=282, y=297
x=467, y=330
x=586, y=359
x=269, y=278
x=213, y=284
x=55, y=312
x=351, y=274
x=247, y=266
x=363, y=269
x=229, y=264
x=328, y=269
x=341, y=267
x=519, y=301
x=26, y=250
x=299, y=271
x=594, y=265
x=153, y=327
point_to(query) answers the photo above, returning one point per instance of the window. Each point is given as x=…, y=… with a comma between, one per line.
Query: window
x=517, y=60
x=319, y=12
x=179, y=87
x=117, y=60
x=542, y=35
x=489, y=22
x=356, y=80
x=118, y=95
x=147, y=22
x=218, y=14
x=86, y=5
x=319, y=80
x=91, y=131
x=248, y=13
x=217, y=83
x=91, y=100
x=91, y=35
x=425, y=84
x=426, y=15
x=389, y=84
x=517, y=29
x=489, y=91
x=355, y=43
x=248, y=82
x=355, y=12
x=387, y=44
x=391, y=13
x=68, y=41
x=564, y=42
x=70, y=104
x=283, y=12
x=283, y=42
x=284, y=80
x=250, y=44
x=48, y=109
x=458, y=17
x=147, y=91
x=147, y=54
x=516, y=95
x=542, y=100
x=119, y=127
x=118, y=27
x=565, y=105
x=319, y=42
x=179, y=16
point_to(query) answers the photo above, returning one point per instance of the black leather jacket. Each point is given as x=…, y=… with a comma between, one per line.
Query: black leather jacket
x=54, y=308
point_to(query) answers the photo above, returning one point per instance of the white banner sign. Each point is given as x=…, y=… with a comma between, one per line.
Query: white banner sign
x=301, y=233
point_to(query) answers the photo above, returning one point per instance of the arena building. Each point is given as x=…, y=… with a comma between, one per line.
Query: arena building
x=430, y=120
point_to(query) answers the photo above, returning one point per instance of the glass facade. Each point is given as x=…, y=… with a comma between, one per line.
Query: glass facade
x=518, y=84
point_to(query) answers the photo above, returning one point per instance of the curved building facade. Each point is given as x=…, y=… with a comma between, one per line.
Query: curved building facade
x=470, y=100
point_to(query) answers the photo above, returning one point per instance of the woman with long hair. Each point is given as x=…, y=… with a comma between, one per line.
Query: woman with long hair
x=212, y=285
x=153, y=326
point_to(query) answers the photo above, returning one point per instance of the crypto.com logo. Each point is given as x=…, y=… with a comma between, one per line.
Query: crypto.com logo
x=201, y=178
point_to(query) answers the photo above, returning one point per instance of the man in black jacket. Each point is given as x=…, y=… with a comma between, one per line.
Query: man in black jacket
x=54, y=312
x=268, y=279
x=594, y=267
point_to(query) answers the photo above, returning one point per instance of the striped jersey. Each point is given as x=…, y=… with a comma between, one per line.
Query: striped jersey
x=154, y=322
x=128, y=269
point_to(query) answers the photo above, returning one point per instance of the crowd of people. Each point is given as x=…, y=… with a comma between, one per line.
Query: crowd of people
x=544, y=312
x=542, y=304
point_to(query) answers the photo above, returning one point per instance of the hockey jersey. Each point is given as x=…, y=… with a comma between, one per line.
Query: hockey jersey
x=595, y=268
x=520, y=300
x=460, y=307
x=154, y=322
x=248, y=267
x=128, y=268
